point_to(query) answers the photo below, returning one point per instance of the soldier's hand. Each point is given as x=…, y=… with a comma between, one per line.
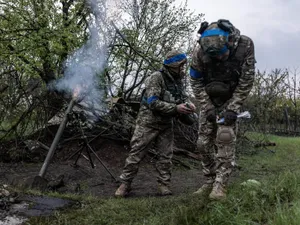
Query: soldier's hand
x=183, y=109
x=211, y=116
x=229, y=117
x=191, y=106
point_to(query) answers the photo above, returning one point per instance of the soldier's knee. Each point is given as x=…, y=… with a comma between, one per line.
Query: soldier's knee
x=225, y=135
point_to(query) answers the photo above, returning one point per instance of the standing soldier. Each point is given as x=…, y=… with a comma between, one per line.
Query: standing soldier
x=222, y=74
x=163, y=100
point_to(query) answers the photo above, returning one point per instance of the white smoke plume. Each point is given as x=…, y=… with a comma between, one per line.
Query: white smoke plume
x=83, y=67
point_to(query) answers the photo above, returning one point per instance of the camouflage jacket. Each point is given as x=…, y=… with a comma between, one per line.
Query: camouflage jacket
x=162, y=94
x=237, y=72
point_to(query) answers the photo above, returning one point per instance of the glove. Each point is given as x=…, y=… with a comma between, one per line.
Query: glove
x=229, y=117
x=211, y=116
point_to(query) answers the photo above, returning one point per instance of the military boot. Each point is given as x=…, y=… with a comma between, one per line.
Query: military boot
x=205, y=188
x=218, y=192
x=123, y=190
x=164, y=190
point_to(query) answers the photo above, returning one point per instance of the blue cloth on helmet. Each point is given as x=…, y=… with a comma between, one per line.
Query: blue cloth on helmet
x=175, y=58
x=152, y=99
x=214, y=32
x=195, y=74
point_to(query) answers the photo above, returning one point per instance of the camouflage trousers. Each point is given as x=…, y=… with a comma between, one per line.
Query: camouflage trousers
x=216, y=144
x=141, y=141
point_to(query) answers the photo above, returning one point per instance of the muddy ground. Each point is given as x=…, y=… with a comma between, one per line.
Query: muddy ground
x=83, y=179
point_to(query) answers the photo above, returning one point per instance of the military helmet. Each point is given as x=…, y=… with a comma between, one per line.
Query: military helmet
x=175, y=58
x=214, y=37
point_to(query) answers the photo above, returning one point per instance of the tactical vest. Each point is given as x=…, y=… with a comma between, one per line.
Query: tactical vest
x=221, y=78
x=174, y=90
x=174, y=93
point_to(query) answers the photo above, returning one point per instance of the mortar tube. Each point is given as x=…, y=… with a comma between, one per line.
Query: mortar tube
x=56, y=139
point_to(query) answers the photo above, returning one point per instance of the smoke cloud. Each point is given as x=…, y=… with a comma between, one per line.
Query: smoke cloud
x=84, y=66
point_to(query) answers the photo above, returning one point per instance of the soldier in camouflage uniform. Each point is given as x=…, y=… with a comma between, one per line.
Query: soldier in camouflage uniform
x=163, y=100
x=222, y=75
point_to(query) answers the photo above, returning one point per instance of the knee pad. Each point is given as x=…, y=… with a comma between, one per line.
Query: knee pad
x=225, y=135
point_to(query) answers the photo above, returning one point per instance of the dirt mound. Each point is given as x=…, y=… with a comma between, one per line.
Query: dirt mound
x=103, y=179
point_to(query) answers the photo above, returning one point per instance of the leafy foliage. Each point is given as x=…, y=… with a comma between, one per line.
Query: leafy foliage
x=37, y=37
x=151, y=28
x=274, y=102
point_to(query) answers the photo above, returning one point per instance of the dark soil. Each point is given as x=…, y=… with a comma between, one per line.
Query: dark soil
x=83, y=179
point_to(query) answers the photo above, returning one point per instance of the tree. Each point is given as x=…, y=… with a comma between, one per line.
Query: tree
x=36, y=38
x=267, y=98
x=150, y=28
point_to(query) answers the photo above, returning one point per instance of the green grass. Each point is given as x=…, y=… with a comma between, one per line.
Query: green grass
x=276, y=201
x=275, y=159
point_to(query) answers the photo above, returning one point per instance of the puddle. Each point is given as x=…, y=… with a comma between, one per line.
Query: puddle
x=30, y=206
x=40, y=205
